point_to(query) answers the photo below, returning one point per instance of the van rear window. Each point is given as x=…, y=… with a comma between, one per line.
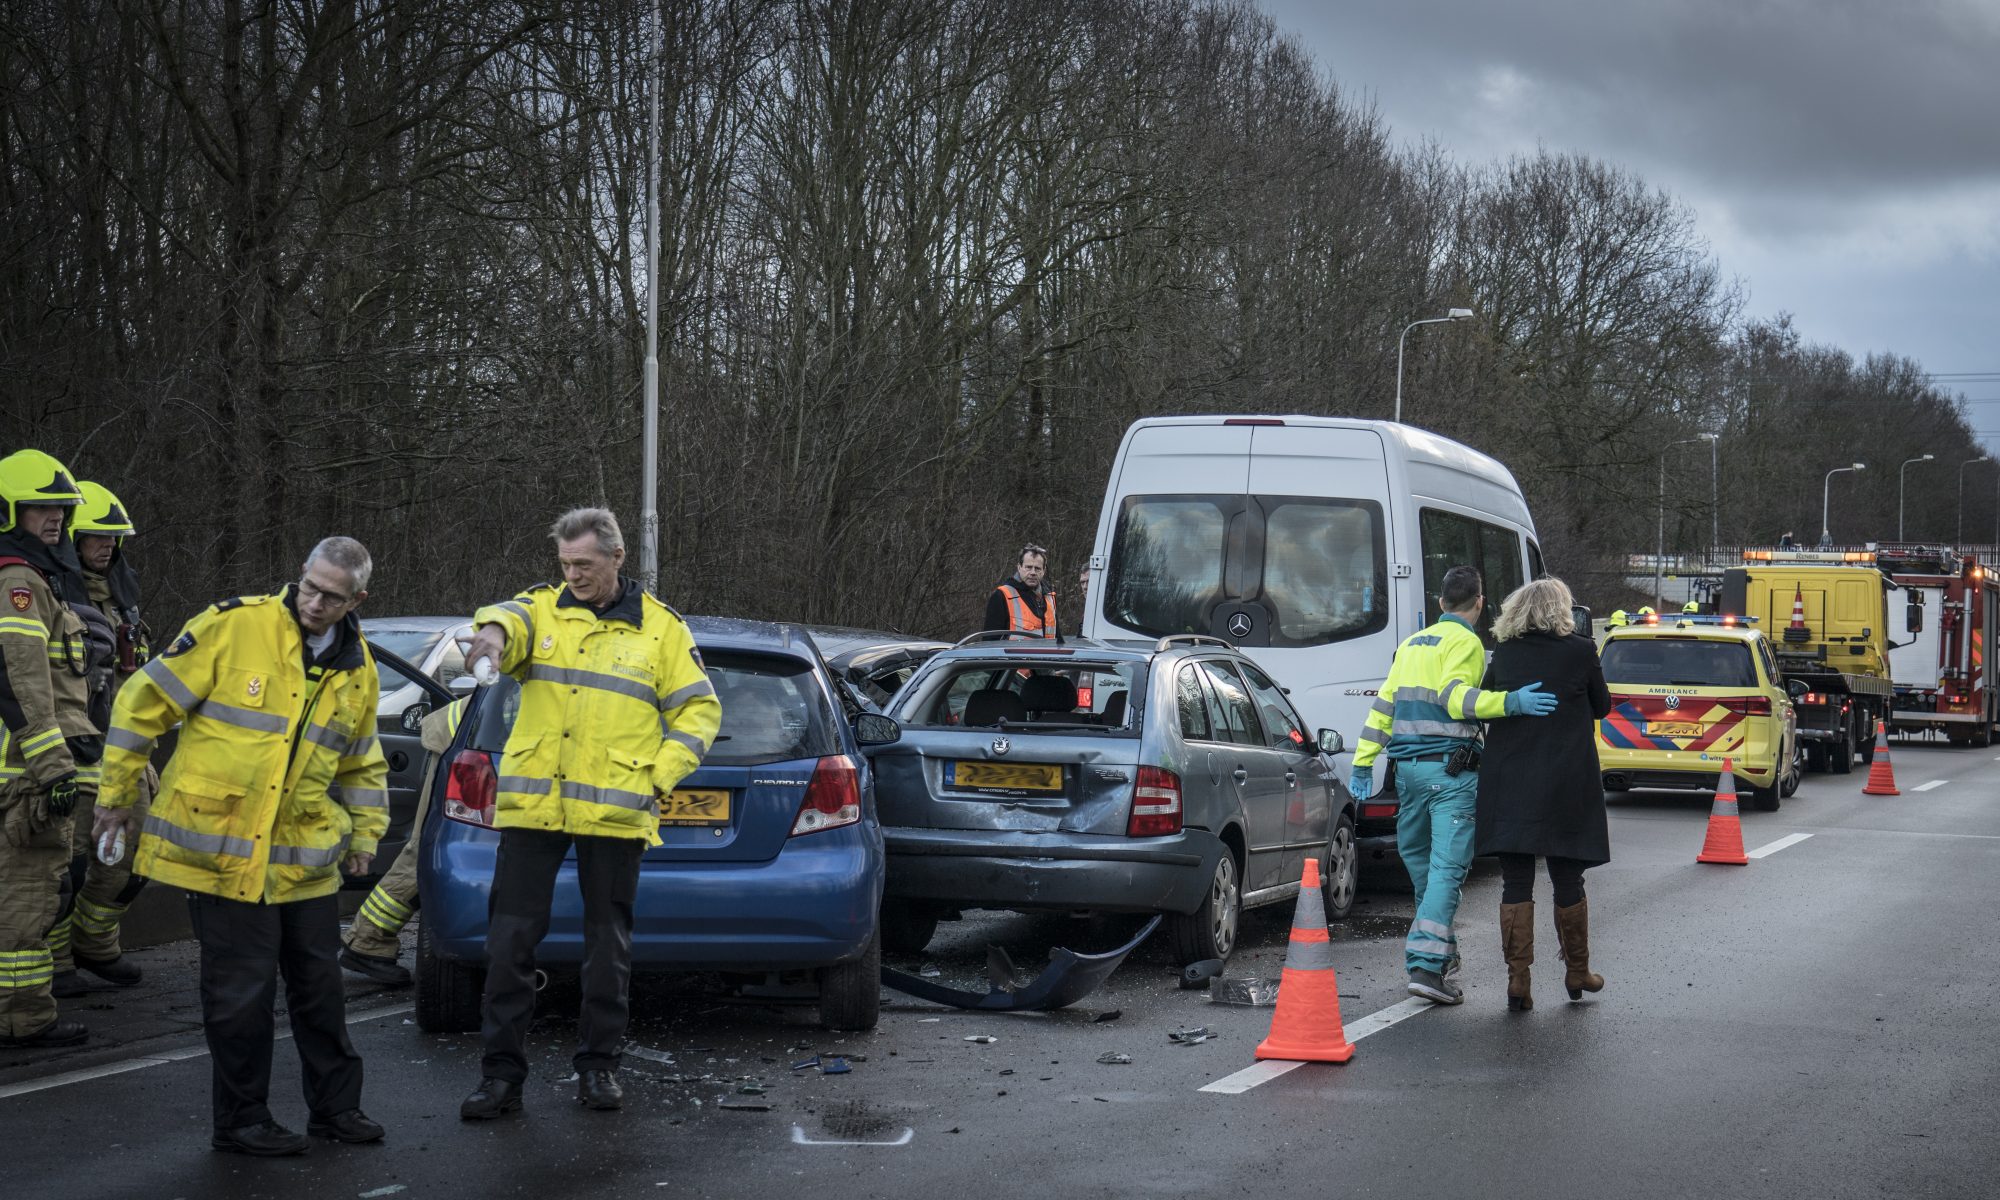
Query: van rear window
x=1673, y=661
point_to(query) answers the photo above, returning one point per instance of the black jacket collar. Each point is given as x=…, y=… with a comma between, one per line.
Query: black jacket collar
x=628, y=607
x=57, y=563
x=345, y=652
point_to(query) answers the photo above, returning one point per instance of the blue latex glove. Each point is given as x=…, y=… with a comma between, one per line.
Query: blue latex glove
x=1530, y=701
x=1361, y=782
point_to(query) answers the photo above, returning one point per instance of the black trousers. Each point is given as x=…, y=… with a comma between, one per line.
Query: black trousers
x=1517, y=878
x=244, y=948
x=524, y=883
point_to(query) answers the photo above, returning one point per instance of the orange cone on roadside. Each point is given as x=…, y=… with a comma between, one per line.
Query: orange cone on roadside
x=1881, y=777
x=1797, y=631
x=1306, y=1026
x=1724, y=843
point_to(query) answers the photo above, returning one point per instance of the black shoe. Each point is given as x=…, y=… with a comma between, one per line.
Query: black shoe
x=266, y=1139
x=491, y=1098
x=1434, y=987
x=350, y=1126
x=599, y=1089
x=374, y=966
x=56, y=1033
x=121, y=970
x=68, y=985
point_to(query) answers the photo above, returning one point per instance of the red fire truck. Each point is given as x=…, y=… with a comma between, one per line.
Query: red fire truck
x=1942, y=683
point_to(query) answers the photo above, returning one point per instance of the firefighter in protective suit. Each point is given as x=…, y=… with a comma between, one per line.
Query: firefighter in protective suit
x=277, y=784
x=87, y=934
x=616, y=710
x=49, y=760
x=373, y=941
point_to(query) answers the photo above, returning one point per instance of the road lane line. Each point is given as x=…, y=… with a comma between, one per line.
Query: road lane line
x=1790, y=839
x=799, y=1138
x=86, y=1074
x=1935, y=783
x=1264, y=1072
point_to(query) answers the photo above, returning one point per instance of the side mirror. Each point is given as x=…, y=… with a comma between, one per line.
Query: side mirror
x=462, y=683
x=413, y=718
x=1331, y=743
x=1913, y=617
x=1797, y=687
x=1580, y=613
x=874, y=729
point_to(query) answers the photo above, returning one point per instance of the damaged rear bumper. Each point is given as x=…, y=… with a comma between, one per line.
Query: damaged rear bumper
x=985, y=869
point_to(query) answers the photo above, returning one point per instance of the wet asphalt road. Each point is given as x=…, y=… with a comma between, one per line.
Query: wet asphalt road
x=1813, y=1024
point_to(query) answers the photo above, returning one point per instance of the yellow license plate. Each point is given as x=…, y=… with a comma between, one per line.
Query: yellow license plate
x=1006, y=777
x=695, y=806
x=1674, y=729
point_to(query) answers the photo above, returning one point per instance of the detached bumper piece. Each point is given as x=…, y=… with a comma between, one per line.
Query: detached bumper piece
x=1068, y=978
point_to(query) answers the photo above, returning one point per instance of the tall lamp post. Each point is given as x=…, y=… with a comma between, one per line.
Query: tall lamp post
x=1826, y=501
x=1961, y=492
x=649, y=459
x=1660, y=537
x=1456, y=314
x=1902, y=479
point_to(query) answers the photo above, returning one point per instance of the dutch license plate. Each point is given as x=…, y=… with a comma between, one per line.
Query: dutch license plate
x=1674, y=729
x=695, y=806
x=1006, y=778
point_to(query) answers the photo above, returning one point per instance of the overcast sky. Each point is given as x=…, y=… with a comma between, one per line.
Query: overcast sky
x=1842, y=156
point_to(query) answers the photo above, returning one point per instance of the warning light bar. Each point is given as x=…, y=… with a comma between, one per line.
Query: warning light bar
x=1722, y=620
x=1809, y=556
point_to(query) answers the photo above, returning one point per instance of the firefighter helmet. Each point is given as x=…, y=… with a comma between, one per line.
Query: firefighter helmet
x=34, y=478
x=1690, y=607
x=100, y=513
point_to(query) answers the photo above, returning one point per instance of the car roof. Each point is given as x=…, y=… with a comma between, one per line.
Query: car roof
x=1122, y=650
x=738, y=633
x=420, y=624
x=839, y=641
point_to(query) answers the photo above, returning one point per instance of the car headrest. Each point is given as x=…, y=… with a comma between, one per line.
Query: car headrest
x=1114, y=710
x=1048, y=693
x=988, y=705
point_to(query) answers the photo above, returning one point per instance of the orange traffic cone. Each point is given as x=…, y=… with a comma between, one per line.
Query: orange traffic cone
x=1797, y=631
x=1306, y=1026
x=1881, y=778
x=1724, y=843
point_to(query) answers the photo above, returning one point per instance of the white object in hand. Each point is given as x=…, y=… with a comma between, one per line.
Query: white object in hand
x=484, y=672
x=111, y=847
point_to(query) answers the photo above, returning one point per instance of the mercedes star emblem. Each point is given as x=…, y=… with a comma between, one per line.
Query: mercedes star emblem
x=1002, y=745
x=1239, y=625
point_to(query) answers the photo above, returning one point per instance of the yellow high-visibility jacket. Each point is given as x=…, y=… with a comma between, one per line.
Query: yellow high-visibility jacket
x=1429, y=703
x=277, y=776
x=615, y=711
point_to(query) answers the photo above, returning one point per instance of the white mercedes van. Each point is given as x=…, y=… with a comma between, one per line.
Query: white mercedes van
x=1315, y=544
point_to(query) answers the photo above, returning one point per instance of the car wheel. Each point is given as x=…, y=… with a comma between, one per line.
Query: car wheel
x=447, y=992
x=1840, y=755
x=1984, y=737
x=1765, y=799
x=907, y=928
x=1788, y=786
x=1868, y=745
x=1341, y=876
x=1210, y=931
x=850, y=993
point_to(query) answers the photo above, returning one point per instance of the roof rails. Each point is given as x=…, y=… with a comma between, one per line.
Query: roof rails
x=1190, y=639
x=997, y=635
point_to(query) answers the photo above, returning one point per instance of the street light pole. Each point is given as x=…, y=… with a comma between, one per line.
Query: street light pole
x=1660, y=535
x=649, y=474
x=1961, y=492
x=1826, y=501
x=1902, y=478
x=1456, y=314
x=1714, y=495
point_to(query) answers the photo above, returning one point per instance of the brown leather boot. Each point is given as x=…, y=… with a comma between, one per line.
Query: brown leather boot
x=1517, y=942
x=1573, y=936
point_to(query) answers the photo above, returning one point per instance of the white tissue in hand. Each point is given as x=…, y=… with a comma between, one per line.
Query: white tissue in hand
x=484, y=672
x=111, y=847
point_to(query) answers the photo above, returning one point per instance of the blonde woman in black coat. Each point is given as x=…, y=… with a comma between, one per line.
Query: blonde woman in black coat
x=1540, y=794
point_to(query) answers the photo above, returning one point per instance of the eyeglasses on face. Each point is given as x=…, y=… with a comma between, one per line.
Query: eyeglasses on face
x=308, y=590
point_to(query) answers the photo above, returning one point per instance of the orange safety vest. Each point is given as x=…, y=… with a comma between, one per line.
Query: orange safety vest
x=1022, y=619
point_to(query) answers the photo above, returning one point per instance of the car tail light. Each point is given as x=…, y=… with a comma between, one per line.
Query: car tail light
x=1749, y=706
x=1376, y=812
x=833, y=798
x=1156, y=804
x=469, y=788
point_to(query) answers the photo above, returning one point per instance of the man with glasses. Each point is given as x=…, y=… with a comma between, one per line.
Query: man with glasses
x=277, y=784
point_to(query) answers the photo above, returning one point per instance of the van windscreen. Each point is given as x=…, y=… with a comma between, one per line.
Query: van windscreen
x=1312, y=569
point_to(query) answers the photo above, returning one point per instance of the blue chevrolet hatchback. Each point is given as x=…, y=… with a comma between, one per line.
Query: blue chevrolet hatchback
x=771, y=859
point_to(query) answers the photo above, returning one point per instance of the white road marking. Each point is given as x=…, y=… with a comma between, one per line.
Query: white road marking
x=86, y=1074
x=1265, y=1072
x=1935, y=783
x=799, y=1138
x=1790, y=839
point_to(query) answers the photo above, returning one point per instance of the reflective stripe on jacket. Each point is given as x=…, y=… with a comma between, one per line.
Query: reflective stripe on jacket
x=1429, y=704
x=277, y=775
x=1022, y=619
x=615, y=711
